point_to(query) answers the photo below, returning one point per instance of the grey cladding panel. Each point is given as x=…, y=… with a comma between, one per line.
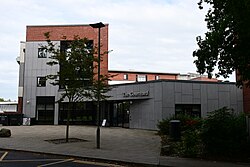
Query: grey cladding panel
x=224, y=87
x=177, y=87
x=213, y=105
x=187, y=88
x=157, y=90
x=196, y=86
x=224, y=99
x=178, y=98
x=168, y=94
x=186, y=99
x=196, y=94
x=212, y=94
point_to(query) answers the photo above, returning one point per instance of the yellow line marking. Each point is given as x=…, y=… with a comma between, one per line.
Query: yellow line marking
x=3, y=156
x=31, y=160
x=59, y=162
x=96, y=163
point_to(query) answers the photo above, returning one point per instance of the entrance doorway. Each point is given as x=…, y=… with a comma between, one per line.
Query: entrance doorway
x=45, y=107
x=120, y=115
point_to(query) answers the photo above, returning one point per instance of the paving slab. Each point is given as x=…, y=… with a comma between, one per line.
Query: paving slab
x=119, y=144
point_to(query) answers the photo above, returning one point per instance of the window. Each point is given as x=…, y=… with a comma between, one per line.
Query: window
x=45, y=106
x=141, y=78
x=41, y=81
x=193, y=110
x=157, y=77
x=125, y=77
x=42, y=52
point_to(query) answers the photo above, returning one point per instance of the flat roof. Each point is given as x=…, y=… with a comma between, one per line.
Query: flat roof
x=181, y=81
x=8, y=102
x=62, y=25
x=142, y=72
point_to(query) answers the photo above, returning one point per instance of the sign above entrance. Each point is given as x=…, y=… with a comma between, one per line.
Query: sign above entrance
x=136, y=94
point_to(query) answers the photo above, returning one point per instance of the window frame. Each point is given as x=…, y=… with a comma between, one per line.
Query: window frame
x=38, y=82
x=125, y=76
x=44, y=51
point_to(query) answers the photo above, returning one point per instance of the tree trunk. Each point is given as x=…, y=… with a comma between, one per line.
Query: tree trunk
x=67, y=124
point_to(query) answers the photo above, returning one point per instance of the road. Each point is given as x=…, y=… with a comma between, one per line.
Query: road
x=27, y=159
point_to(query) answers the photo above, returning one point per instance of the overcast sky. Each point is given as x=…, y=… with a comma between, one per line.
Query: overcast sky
x=145, y=35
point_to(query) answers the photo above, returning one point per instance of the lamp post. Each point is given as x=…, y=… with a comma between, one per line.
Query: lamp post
x=98, y=136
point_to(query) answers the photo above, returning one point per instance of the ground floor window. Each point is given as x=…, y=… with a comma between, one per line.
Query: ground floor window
x=120, y=114
x=80, y=113
x=193, y=110
x=45, y=106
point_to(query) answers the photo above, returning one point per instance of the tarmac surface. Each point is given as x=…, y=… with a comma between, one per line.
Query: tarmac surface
x=117, y=144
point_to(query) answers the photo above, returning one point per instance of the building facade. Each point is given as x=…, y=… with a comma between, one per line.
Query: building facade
x=152, y=101
x=137, y=99
x=36, y=97
x=121, y=77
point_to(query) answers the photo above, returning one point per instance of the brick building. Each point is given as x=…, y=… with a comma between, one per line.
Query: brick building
x=36, y=97
x=137, y=99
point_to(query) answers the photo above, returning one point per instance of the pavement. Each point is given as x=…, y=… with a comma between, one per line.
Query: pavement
x=117, y=144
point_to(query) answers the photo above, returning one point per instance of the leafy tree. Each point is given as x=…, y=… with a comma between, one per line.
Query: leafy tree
x=1, y=99
x=226, y=44
x=76, y=75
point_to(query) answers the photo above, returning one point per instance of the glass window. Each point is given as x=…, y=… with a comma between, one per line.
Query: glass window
x=125, y=76
x=157, y=77
x=141, y=78
x=41, y=81
x=193, y=110
x=42, y=52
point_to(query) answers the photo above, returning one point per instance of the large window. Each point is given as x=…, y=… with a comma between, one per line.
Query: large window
x=41, y=81
x=141, y=78
x=80, y=113
x=42, y=52
x=45, y=109
x=193, y=110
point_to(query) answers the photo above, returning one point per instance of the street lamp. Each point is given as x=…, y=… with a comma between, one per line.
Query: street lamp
x=98, y=136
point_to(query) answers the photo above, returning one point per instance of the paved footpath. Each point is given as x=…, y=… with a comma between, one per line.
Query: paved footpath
x=117, y=144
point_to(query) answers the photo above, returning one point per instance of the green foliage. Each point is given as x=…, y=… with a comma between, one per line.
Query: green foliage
x=226, y=44
x=224, y=133
x=1, y=99
x=190, y=145
x=187, y=122
x=77, y=76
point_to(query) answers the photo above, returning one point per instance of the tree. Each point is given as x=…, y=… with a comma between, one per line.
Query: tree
x=227, y=42
x=76, y=75
x=1, y=99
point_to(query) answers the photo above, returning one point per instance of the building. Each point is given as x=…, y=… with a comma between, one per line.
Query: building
x=140, y=100
x=121, y=77
x=9, y=114
x=8, y=107
x=36, y=97
x=143, y=104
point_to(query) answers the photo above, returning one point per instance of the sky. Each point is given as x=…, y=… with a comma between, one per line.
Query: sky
x=145, y=35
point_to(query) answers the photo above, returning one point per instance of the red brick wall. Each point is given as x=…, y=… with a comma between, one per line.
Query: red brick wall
x=20, y=105
x=118, y=76
x=36, y=33
x=246, y=99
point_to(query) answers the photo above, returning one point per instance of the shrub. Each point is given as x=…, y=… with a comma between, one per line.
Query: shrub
x=187, y=123
x=224, y=133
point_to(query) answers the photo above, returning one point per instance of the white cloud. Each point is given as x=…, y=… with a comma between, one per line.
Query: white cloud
x=151, y=35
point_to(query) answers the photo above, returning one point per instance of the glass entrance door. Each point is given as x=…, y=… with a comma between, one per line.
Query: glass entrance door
x=45, y=110
x=121, y=114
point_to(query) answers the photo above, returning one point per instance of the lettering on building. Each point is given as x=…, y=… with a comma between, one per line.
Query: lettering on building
x=136, y=94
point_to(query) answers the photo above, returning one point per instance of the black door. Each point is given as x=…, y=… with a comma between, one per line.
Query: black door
x=45, y=109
